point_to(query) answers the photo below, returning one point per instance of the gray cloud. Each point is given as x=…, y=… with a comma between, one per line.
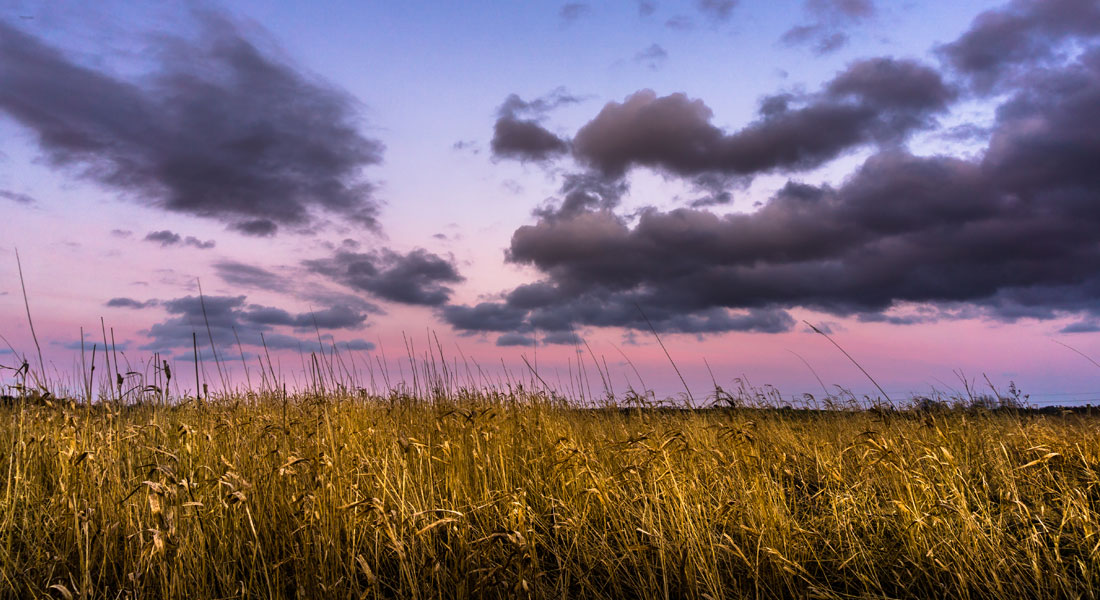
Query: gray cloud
x=486, y=316
x=251, y=276
x=228, y=313
x=220, y=130
x=419, y=277
x=515, y=339
x=518, y=134
x=1005, y=42
x=824, y=34
x=167, y=238
x=17, y=198
x=1011, y=234
x=878, y=100
x=905, y=239
x=129, y=303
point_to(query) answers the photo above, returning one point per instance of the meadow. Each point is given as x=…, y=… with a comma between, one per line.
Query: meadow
x=513, y=491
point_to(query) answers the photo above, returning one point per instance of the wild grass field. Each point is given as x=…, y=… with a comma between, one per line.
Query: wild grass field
x=503, y=494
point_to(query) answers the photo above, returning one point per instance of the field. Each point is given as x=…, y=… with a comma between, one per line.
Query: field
x=513, y=494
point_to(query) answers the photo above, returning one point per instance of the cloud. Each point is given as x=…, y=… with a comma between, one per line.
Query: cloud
x=1090, y=326
x=525, y=140
x=878, y=100
x=718, y=11
x=230, y=317
x=571, y=11
x=824, y=34
x=518, y=134
x=1024, y=33
x=829, y=10
x=90, y=343
x=250, y=276
x=17, y=198
x=515, y=339
x=680, y=23
x=336, y=317
x=466, y=146
x=646, y=7
x=564, y=338
x=167, y=238
x=164, y=237
x=221, y=129
x=485, y=316
x=130, y=303
x=653, y=57
x=1009, y=234
x=583, y=192
x=124, y=234
x=419, y=277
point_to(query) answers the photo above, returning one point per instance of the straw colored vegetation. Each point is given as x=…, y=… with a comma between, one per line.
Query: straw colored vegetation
x=498, y=495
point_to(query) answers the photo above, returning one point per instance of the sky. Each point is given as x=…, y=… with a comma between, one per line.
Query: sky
x=581, y=186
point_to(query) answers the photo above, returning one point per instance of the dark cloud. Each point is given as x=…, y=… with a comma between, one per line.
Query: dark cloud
x=525, y=139
x=164, y=237
x=646, y=7
x=256, y=227
x=877, y=100
x=1021, y=34
x=486, y=316
x=221, y=129
x=1090, y=326
x=518, y=134
x=129, y=303
x=17, y=198
x=336, y=317
x=419, y=277
x=653, y=57
x=251, y=276
x=571, y=11
x=228, y=313
x=583, y=192
x=122, y=233
x=1009, y=235
x=167, y=238
x=718, y=11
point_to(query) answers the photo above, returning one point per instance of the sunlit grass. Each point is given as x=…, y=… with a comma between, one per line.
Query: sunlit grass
x=504, y=495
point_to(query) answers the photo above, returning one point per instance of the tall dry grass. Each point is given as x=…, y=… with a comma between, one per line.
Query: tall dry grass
x=514, y=495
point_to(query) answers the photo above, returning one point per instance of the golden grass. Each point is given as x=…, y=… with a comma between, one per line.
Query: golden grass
x=491, y=495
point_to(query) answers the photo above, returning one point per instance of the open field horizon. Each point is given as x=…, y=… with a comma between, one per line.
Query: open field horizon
x=708, y=299
x=501, y=496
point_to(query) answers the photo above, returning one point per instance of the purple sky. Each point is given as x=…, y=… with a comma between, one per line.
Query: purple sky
x=917, y=179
